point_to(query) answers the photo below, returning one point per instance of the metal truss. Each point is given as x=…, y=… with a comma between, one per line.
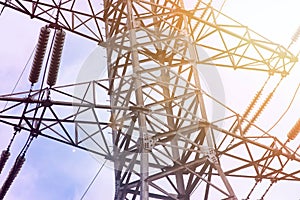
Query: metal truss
x=59, y=119
x=155, y=129
x=63, y=120
x=234, y=45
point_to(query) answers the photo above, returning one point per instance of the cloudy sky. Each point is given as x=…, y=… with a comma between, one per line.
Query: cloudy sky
x=55, y=171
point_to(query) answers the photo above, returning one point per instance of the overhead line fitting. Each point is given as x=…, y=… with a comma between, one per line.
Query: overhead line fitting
x=6, y=153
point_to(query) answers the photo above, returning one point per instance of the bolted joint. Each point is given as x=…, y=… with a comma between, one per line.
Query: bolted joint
x=211, y=154
x=208, y=150
x=213, y=159
x=149, y=143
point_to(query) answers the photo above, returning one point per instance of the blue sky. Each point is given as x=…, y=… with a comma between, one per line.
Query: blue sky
x=52, y=170
x=56, y=171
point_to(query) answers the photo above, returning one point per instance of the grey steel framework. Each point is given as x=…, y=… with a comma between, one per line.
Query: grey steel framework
x=155, y=129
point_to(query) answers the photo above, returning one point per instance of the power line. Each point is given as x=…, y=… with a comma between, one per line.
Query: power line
x=287, y=109
x=20, y=76
x=87, y=189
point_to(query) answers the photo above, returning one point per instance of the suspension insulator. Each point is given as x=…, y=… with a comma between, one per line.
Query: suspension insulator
x=294, y=131
x=296, y=35
x=56, y=56
x=12, y=175
x=249, y=108
x=4, y=157
x=252, y=104
x=39, y=55
x=262, y=107
x=259, y=111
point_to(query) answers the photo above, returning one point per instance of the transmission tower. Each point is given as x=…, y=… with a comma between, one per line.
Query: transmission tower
x=158, y=136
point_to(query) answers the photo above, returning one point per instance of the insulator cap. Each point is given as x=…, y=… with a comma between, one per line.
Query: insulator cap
x=294, y=131
x=12, y=175
x=4, y=157
x=56, y=56
x=39, y=55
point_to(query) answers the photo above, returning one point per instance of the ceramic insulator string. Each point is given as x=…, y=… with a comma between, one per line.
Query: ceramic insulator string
x=56, y=57
x=39, y=55
x=252, y=104
x=296, y=35
x=4, y=157
x=249, y=108
x=11, y=176
x=292, y=134
x=259, y=111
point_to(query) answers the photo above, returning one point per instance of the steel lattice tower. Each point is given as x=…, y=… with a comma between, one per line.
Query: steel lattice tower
x=159, y=136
